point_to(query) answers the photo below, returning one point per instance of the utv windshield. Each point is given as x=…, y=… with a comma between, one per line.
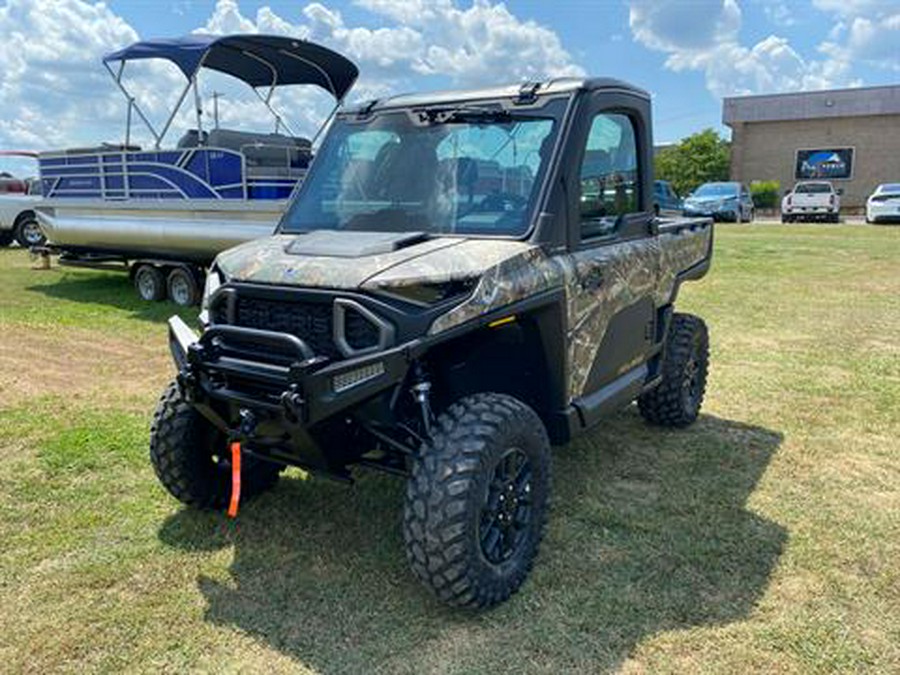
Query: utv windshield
x=465, y=170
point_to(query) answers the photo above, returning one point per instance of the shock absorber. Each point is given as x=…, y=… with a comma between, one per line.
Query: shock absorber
x=421, y=392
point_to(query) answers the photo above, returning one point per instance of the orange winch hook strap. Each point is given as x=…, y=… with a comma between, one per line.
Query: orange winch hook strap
x=235, y=479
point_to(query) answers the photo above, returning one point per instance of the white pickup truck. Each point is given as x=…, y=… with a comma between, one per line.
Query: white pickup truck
x=811, y=200
x=17, y=219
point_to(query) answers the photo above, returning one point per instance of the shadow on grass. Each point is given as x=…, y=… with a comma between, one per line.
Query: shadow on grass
x=111, y=289
x=649, y=532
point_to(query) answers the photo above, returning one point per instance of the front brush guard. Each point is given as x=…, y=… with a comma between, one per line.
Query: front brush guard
x=278, y=378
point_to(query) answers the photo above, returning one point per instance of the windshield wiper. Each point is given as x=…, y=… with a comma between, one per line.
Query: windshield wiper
x=466, y=113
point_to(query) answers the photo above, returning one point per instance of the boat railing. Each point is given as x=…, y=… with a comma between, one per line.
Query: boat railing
x=255, y=172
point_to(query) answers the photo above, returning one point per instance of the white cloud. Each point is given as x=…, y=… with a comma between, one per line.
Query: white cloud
x=56, y=93
x=872, y=39
x=854, y=8
x=684, y=27
x=410, y=12
x=705, y=36
x=482, y=44
x=778, y=12
x=51, y=82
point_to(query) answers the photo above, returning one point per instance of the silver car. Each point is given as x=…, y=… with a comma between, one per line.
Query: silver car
x=728, y=201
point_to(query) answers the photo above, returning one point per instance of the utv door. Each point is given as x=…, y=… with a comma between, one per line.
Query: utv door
x=615, y=255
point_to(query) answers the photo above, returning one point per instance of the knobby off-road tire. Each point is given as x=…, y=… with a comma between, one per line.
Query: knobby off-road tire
x=476, y=502
x=676, y=401
x=191, y=459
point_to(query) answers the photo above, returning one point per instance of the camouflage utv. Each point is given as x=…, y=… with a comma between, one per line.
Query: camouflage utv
x=462, y=280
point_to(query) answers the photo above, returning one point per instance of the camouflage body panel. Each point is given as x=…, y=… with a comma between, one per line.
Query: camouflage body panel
x=679, y=251
x=631, y=270
x=518, y=277
x=266, y=261
x=431, y=261
x=469, y=258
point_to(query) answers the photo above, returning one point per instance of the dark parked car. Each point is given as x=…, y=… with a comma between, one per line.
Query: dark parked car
x=666, y=201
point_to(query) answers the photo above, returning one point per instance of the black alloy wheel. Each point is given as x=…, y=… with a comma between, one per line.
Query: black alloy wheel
x=477, y=500
x=506, y=512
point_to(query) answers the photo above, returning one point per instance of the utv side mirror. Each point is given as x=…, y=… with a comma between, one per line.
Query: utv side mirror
x=787, y=192
x=840, y=191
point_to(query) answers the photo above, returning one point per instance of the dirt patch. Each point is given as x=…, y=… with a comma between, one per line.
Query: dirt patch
x=41, y=361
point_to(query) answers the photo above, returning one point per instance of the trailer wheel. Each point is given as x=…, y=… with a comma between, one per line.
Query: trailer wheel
x=149, y=283
x=183, y=287
x=28, y=233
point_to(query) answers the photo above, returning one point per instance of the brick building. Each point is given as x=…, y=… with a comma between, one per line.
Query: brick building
x=848, y=136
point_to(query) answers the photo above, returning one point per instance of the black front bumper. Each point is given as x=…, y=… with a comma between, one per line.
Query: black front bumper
x=231, y=374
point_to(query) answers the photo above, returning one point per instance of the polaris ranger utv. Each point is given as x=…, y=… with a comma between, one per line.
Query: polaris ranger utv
x=462, y=280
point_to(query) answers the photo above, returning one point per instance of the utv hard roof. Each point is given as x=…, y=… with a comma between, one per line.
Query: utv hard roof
x=560, y=85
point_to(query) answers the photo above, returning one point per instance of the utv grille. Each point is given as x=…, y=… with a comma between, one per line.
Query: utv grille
x=309, y=321
x=336, y=329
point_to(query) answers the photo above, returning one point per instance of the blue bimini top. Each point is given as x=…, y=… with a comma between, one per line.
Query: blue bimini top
x=258, y=60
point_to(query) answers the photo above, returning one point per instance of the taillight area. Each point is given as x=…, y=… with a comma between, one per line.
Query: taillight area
x=790, y=200
x=831, y=199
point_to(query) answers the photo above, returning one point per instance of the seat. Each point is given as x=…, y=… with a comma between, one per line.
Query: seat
x=401, y=173
x=192, y=138
x=264, y=150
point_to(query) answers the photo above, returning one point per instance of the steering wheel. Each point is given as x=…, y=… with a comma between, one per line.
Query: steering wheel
x=503, y=202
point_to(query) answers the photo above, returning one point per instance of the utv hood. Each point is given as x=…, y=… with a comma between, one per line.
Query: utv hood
x=363, y=260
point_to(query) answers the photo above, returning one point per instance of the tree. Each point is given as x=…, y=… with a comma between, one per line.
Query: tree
x=697, y=159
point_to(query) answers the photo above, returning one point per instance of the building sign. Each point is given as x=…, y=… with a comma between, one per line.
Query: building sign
x=831, y=163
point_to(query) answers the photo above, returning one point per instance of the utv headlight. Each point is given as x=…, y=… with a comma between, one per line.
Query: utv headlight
x=213, y=281
x=431, y=293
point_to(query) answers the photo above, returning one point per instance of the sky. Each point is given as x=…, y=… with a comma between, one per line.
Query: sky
x=687, y=53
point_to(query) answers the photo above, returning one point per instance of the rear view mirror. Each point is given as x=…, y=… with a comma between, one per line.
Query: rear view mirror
x=787, y=192
x=840, y=191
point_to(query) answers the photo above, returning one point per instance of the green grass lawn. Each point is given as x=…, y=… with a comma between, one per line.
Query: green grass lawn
x=766, y=538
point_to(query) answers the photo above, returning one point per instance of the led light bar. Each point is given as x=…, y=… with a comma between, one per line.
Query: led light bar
x=351, y=378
